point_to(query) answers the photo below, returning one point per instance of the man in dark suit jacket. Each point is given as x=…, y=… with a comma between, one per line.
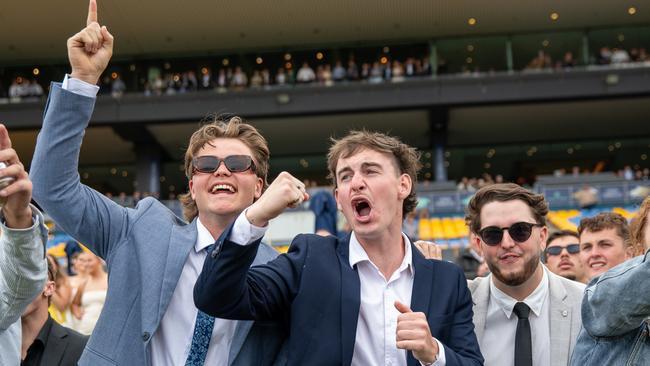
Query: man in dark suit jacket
x=345, y=301
x=45, y=342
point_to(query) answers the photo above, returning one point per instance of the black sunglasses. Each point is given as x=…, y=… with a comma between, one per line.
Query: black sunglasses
x=519, y=232
x=556, y=249
x=234, y=163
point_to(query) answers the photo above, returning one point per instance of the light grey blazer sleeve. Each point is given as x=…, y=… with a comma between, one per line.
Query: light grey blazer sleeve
x=23, y=271
x=82, y=212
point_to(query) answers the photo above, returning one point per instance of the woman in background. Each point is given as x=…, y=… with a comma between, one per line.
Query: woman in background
x=91, y=293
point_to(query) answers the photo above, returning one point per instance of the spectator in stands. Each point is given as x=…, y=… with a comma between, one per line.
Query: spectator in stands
x=305, y=74
x=397, y=71
x=374, y=175
x=365, y=71
x=23, y=268
x=352, y=72
x=338, y=74
x=256, y=79
x=604, y=56
x=90, y=296
x=568, y=61
x=35, y=89
x=470, y=260
x=619, y=56
x=266, y=77
x=280, y=77
x=587, y=196
x=512, y=306
x=604, y=242
x=206, y=78
x=153, y=256
x=376, y=73
x=118, y=87
x=61, y=296
x=44, y=341
x=562, y=255
x=222, y=79
x=239, y=79
x=616, y=308
x=410, y=226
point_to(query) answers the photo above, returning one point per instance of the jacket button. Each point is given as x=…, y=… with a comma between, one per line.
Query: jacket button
x=146, y=336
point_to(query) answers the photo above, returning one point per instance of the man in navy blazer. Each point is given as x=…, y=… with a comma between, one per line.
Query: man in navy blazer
x=370, y=299
x=153, y=257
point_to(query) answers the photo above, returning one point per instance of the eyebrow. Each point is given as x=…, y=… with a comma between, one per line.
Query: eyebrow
x=364, y=165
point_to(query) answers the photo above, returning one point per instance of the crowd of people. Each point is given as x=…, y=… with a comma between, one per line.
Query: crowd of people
x=206, y=290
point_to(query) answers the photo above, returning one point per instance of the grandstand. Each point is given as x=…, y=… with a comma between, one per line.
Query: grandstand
x=496, y=91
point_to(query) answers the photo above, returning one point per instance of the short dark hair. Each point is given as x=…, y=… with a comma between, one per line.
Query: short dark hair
x=561, y=234
x=504, y=192
x=407, y=159
x=604, y=221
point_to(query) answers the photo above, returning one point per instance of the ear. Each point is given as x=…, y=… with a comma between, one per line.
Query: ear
x=405, y=185
x=259, y=185
x=543, y=235
x=476, y=242
x=191, y=184
x=336, y=197
x=49, y=288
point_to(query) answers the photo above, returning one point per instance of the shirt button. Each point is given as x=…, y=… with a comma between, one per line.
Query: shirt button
x=146, y=336
x=565, y=313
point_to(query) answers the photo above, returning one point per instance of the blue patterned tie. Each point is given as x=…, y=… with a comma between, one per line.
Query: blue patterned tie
x=202, y=334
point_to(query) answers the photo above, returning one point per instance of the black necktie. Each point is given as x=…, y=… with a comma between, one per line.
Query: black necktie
x=523, y=342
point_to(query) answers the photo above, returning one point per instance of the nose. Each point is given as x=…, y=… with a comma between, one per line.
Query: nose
x=222, y=170
x=507, y=241
x=564, y=253
x=357, y=182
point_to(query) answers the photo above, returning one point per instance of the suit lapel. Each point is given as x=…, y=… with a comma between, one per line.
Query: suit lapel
x=181, y=241
x=560, y=322
x=244, y=327
x=56, y=345
x=481, y=299
x=423, y=288
x=350, y=301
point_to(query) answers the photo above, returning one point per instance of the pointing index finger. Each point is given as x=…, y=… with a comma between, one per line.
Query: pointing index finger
x=5, y=142
x=92, y=12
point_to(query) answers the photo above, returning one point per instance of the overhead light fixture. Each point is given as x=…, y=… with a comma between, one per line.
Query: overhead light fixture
x=470, y=48
x=287, y=57
x=36, y=71
x=319, y=56
x=259, y=60
x=545, y=43
x=386, y=49
x=471, y=21
x=469, y=60
x=631, y=10
x=555, y=16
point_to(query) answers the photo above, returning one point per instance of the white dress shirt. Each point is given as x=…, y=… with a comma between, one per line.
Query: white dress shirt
x=377, y=310
x=498, y=342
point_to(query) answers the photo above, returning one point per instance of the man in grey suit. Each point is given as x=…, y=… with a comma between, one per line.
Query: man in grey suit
x=524, y=315
x=22, y=250
x=153, y=257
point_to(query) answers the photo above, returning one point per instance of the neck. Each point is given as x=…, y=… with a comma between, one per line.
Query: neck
x=216, y=225
x=386, y=250
x=521, y=292
x=31, y=326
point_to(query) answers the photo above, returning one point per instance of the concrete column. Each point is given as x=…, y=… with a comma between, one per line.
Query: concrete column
x=438, y=120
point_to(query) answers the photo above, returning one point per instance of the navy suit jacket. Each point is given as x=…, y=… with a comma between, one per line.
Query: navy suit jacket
x=316, y=292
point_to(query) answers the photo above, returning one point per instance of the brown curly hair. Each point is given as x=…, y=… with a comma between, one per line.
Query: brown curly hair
x=638, y=226
x=406, y=157
x=224, y=127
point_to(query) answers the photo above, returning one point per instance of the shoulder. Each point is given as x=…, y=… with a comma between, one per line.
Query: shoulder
x=70, y=336
x=152, y=209
x=477, y=282
x=574, y=290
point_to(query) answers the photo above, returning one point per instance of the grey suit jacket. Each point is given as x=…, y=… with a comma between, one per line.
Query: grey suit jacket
x=566, y=297
x=23, y=271
x=145, y=248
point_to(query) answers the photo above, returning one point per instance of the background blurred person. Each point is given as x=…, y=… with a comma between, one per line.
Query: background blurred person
x=562, y=255
x=616, y=308
x=44, y=341
x=90, y=297
x=60, y=298
x=604, y=242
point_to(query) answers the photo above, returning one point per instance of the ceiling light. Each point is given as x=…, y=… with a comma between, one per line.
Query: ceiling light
x=471, y=21
x=36, y=71
x=555, y=16
x=470, y=48
x=259, y=60
x=469, y=60
x=386, y=49
x=631, y=10
x=545, y=43
x=319, y=55
x=287, y=56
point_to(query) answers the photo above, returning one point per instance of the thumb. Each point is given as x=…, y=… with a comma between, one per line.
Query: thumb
x=402, y=308
x=108, y=37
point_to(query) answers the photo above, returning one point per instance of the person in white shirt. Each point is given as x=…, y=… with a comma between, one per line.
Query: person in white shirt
x=523, y=313
x=368, y=299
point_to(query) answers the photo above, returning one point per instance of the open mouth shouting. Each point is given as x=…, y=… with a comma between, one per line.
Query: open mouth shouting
x=362, y=209
x=223, y=188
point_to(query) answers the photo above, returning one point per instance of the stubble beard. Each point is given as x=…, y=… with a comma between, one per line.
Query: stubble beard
x=515, y=278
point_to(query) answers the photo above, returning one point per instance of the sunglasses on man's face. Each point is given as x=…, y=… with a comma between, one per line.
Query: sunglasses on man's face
x=234, y=163
x=557, y=249
x=519, y=232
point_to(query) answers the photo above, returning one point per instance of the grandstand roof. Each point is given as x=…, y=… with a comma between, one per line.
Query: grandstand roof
x=31, y=31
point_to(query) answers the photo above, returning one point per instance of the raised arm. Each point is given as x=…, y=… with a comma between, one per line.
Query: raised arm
x=22, y=239
x=82, y=212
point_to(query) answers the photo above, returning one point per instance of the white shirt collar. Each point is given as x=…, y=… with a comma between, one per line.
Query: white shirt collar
x=358, y=254
x=535, y=300
x=204, y=238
